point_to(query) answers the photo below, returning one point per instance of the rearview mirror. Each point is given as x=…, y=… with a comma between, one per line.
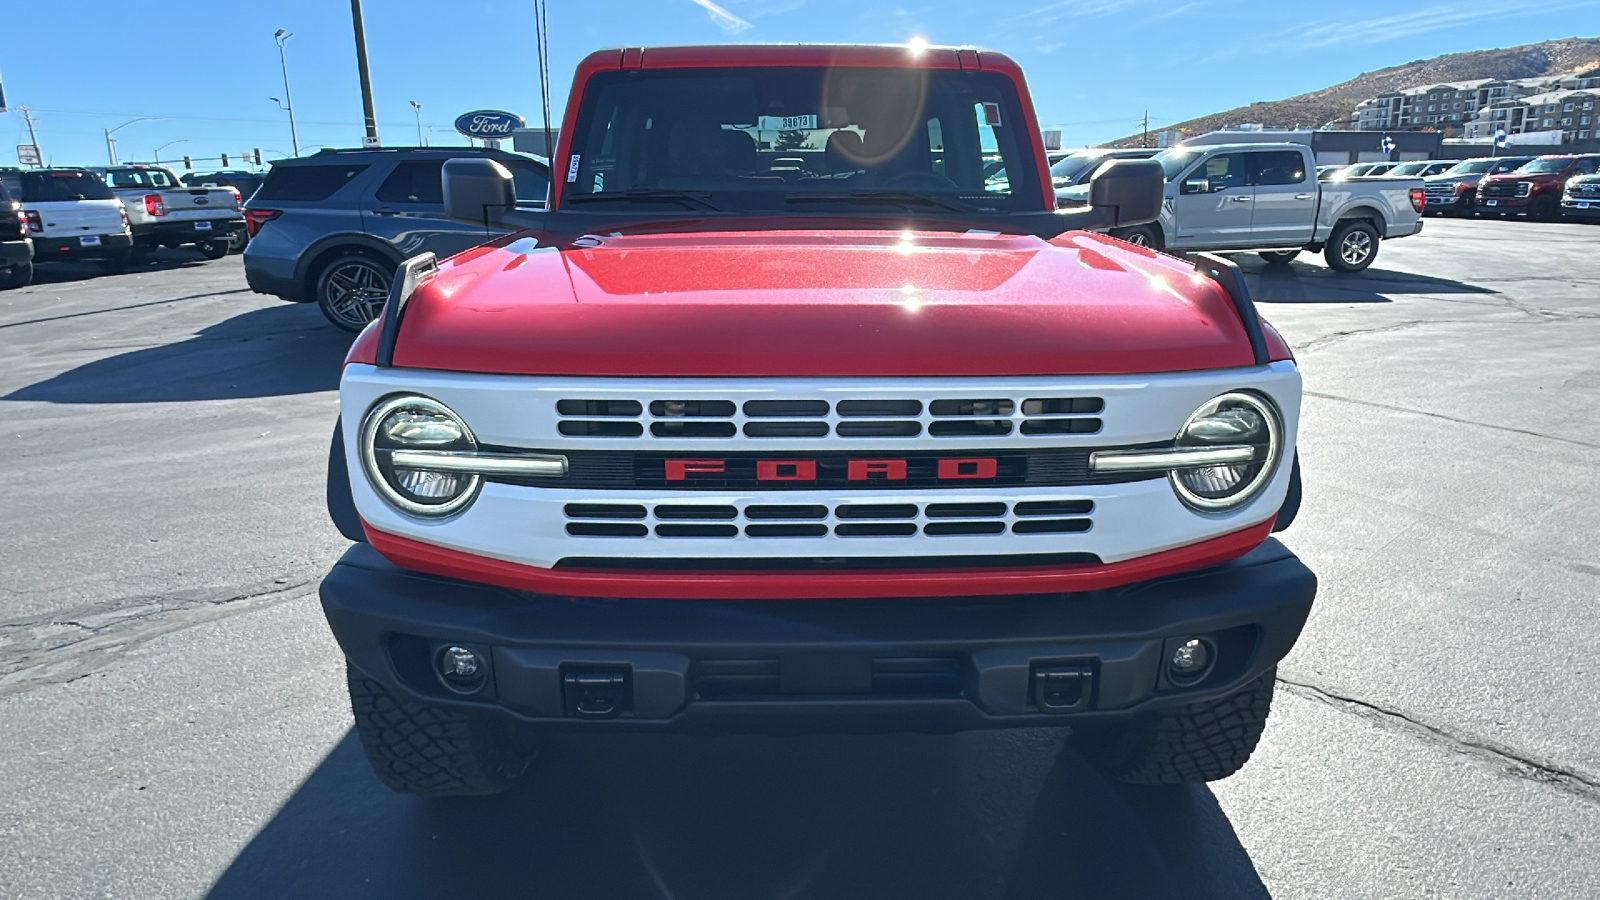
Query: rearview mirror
x=479, y=191
x=1195, y=186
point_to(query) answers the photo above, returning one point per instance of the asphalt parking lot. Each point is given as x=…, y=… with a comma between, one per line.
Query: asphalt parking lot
x=175, y=723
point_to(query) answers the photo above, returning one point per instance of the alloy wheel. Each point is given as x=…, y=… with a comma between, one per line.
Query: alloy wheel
x=1355, y=248
x=356, y=291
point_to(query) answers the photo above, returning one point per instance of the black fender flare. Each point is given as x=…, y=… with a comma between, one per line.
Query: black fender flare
x=342, y=503
x=1291, y=500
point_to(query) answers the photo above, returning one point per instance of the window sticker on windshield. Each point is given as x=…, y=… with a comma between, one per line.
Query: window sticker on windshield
x=786, y=123
x=572, y=169
x=991, y=115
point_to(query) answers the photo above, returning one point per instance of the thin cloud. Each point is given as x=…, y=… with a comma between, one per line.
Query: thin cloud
x=1402, y=25
x=727, y=21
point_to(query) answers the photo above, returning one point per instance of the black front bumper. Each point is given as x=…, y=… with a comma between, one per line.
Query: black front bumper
x=818, y=665
x=46, y=249
x=1590, y=213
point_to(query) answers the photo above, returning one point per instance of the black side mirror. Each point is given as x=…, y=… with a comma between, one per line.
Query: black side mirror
x=479, y=191
x=1130, y=189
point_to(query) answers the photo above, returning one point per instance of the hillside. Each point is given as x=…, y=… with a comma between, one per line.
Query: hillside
x=1335, y=103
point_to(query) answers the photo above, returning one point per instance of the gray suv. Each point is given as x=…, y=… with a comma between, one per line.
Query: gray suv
x=333, y=226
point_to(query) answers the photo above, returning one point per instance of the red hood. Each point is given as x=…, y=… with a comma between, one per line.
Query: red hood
x=819, y=303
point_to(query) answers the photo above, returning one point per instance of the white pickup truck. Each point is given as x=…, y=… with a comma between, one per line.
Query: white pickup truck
x=165, y=212
x=1265, y=197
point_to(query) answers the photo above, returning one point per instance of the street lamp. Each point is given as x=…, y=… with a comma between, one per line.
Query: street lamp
x=287, y=104
x=111, y=153
x=166, y=145
x=417, y=108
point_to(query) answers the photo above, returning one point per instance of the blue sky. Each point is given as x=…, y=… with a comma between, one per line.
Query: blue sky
x=1094, y=66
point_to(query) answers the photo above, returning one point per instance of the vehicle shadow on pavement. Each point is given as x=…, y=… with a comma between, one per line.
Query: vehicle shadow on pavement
x=1011, y=816
x=288, y=349
x=84, y=270
x=1312, y=282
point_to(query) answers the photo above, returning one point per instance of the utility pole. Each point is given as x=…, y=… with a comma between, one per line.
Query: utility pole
x=417, y=108
x=282, y=37
x=27, y=116
x=1144, y=139
x=366, y=79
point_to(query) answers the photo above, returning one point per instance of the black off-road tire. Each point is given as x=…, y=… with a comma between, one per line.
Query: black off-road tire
x=18, y=276
x=1544, y=208
x=1187, y=745
x=117, y=263
x=1352, y=246
x=433, y=751
x=1278, y=257
x=214, y=249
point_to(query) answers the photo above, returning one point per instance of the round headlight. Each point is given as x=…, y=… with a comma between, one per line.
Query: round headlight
x=1231, y=420
x=411, y=423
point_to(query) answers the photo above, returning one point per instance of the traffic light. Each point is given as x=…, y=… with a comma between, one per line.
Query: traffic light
x=258, y=156
x=224, y=160
x=187, y=163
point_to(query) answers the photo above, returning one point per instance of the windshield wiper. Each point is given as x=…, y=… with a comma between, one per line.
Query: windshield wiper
x=904, y=198
x=688, y=199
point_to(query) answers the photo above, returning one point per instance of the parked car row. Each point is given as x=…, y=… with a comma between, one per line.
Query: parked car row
x=1539, y=187
x=62, y=214
x=332, y=227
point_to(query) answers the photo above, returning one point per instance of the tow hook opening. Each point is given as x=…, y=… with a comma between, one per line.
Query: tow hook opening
x=1060, y=687
x=597, y=692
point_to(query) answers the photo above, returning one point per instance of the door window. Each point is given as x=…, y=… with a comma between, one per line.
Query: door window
x=414, y=181
x=1277, y=167
x=1224, y=171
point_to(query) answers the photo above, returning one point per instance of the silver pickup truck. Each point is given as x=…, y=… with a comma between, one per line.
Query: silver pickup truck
x=164, y=212
x=1265, y=197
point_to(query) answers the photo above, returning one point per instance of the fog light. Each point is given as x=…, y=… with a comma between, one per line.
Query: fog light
x=459, y=664
x=1190, y=660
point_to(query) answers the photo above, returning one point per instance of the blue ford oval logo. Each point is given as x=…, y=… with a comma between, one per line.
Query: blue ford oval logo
x=488, y=124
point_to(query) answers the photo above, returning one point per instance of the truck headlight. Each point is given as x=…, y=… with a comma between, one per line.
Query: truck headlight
x=398, y=425
x=1235, y=420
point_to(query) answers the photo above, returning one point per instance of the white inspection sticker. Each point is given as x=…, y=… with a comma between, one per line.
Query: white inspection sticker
x=786, y=123
x=572, y=169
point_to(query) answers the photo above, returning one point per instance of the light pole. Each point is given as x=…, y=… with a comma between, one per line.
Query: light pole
x=166, y=145
x=282, y=37
x=111, y=153
x=417, y=108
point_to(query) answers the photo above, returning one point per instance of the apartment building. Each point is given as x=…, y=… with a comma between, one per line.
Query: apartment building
x=1481, y=107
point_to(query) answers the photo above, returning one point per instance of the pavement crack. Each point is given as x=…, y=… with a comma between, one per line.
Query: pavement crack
x=1514, y=762
x=66, y=646
x=1433, y=415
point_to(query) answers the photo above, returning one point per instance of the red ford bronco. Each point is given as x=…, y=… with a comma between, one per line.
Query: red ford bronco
x=801, y=407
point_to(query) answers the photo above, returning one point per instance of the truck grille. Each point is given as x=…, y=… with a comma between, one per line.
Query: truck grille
x=847, y=520
x=610, y=470
x=1591, y=189
x=779, y=418
x=1445, y=191
x=1501, y=189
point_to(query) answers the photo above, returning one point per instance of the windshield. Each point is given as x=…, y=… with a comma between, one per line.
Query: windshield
x=1174, y=161
x=1470, y=167
x=1068, y=167
x=1544, y=166
x=801, y=139
x=138, y=178
x=1411, y=168
x=52, y=187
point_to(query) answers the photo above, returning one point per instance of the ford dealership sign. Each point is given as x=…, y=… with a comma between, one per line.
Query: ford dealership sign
x=488, y=124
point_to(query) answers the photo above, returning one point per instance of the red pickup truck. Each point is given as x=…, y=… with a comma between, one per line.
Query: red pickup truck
x=1535, y=189
x=783, y=417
